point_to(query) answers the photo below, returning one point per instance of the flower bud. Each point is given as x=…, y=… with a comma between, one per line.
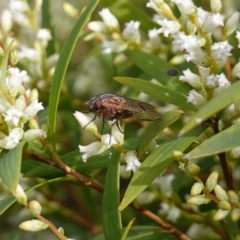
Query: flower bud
x=235, y=214
x=220, y=214
x=211, y=181
x=21, y=103
x=86, y=122
x=233, y=197
x=224, y=205
x=33, y=95
x=38, y=144
x=6, y=20
x=220, y=193
x=216, y=5
x=231, y=24
x=33, y=225
x=179, y=156
x=35, y=208
x=70, y=10
x=199, y=200
x=20, y=195
x=14, y=57
x=185, y=7
x=197, y=188
x=236, y=69
x=33, y=124
x=192, y=169
x=193, y=79
x=33, y=134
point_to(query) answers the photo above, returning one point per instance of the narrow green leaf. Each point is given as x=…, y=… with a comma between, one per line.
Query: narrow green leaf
x=61, y=67
x=217, y=143
x=154, y=127
x=10, y=166
x=214, y=105
x=156, y=91
x=111, y=217
x=8, y=201
x=156, y=163
x=158, y=69
x=3, y=67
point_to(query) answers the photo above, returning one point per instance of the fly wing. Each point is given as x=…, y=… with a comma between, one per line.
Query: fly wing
x=141, y=110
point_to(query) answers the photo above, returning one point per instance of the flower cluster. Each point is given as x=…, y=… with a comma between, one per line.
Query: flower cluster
x=116, y=41
x=18, y=109
x=32, y=46
x=107, y=141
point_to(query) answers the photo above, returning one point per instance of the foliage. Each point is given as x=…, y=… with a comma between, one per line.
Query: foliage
x=165, y=164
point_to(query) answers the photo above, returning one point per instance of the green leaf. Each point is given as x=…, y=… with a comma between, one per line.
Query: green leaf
x=8, y=201
x=154, y=127
x=156, y=163
x=214, y=105
x=61, y=67
x=111, y=216
x=217, y=143
x=10, y=166
x=158, y=69
x=156, y=91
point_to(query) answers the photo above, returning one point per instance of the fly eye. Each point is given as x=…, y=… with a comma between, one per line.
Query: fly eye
x=94, y=107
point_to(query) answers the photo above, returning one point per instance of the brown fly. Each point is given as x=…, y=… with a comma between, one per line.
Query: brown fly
x=114, y=107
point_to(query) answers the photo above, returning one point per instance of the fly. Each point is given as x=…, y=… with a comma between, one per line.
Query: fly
x=113, y=107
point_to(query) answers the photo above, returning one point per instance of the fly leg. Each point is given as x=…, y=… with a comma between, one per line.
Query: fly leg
x=90, y=121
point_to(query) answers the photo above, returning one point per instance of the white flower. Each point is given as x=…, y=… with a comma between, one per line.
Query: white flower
x=238, y=38
x=6, y=20
x=168, y=27
x=15, y=80
x=4, y=105
x=193, y=79
x=109, y=19
x=13, y=139
x=186, y=7
x=115, y=46
x=154, y=39
x=97, y=26
x=12, y=116
x=33, y=109
x=212, y=21
x=236, y=69
x=132, y=161
x=155, y=4
x=173, y=213
x=92, y=149
x=235, y=152
x=220, y=52
x=195, y=98
x=212, y=81
x=165, y=184
x=116, y=137
x=222, y=80
x=33, y=134
x=86, y=122
x=29, y=54
x=131, y=32
x=188, y=42
x=44, y=34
